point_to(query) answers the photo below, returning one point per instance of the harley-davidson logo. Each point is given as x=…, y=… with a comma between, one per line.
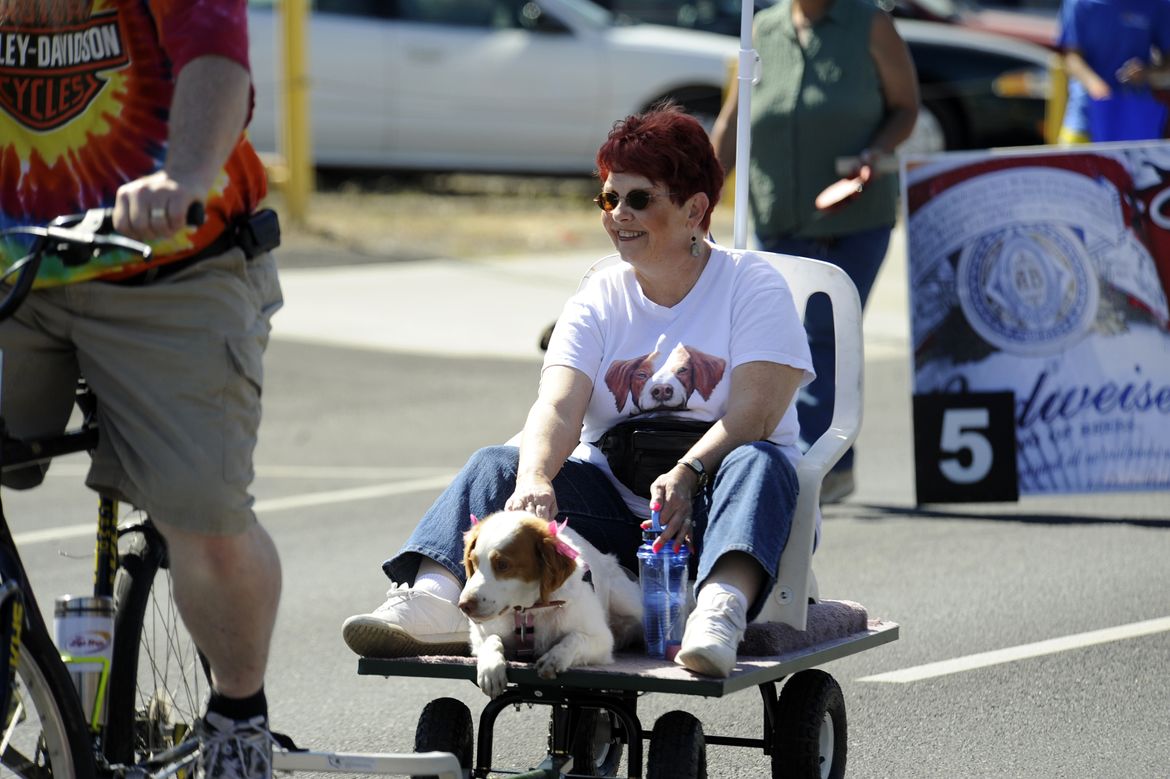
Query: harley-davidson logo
x=49, y=77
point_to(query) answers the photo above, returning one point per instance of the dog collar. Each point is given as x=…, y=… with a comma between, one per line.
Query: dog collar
x=525, y=628
x=524, y=623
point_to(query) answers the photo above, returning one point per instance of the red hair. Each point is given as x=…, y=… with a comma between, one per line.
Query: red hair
x=669, y=147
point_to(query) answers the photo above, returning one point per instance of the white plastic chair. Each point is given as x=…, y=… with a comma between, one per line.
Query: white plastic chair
x=795, y=582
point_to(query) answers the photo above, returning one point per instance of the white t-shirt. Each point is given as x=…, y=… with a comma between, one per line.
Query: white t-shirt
x=645, y=358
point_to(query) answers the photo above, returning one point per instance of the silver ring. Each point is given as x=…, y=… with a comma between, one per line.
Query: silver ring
x=158, y=213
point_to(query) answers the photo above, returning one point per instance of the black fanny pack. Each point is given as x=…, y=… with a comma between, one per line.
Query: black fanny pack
x=255, y=234
x=641, y=450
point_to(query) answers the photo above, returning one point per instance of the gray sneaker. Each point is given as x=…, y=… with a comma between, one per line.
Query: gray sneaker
x=837, y=486
x=409, y=623
x=234, y=749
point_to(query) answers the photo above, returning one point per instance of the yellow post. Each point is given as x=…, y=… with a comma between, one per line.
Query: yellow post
x=1057, y=97
x=295, y=128
x=728, y=198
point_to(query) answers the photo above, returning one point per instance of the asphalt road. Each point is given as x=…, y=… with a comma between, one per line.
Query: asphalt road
x=358, y=441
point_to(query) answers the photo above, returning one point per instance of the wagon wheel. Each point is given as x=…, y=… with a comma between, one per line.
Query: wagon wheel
x=445, y=726
x=596, y=747
x=677, y=748
x=811, y=733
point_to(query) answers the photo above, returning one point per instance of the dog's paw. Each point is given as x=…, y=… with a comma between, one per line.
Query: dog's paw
x=491, y=674
x=552, y=663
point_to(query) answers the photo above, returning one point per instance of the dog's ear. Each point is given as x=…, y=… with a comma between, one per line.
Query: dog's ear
x=708, y=371
x=620, y=378
x=469, y=539
x=555, y=569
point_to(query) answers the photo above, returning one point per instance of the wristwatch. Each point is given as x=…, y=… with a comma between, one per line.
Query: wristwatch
x=696, y=465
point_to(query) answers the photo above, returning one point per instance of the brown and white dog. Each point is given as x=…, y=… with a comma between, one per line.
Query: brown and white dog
x=651, y=386
x=527, y=591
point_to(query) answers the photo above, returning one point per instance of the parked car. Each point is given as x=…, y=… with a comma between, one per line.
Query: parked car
x=978, y=89
x=506, y=85
x=722, y=16
x=533, y=85
x=1038, y=23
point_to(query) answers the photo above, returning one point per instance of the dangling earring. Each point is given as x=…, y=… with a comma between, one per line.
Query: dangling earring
x=695, y=249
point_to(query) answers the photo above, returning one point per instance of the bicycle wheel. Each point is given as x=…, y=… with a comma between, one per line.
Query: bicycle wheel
x=44, y=734
x=158, y=680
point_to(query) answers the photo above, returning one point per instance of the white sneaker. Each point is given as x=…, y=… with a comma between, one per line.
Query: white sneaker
x=409, y=623
x=712, y=636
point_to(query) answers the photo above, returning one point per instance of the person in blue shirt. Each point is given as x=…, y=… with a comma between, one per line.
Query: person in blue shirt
x=1112, y=48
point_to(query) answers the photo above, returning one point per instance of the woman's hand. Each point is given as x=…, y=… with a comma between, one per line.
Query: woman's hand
x=672, y=494
x=534, y=495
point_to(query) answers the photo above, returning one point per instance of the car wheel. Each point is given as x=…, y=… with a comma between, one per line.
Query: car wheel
x=947, y=118
x=703, y=103
x=927, y=138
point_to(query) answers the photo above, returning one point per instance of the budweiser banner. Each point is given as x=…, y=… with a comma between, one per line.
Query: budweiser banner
x=1039, y=325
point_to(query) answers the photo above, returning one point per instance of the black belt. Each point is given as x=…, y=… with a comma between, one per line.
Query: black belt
x=256, y=234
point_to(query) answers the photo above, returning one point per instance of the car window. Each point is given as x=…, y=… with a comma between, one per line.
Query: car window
x=688, y=13
x=595, y=13
x=376, y=9
x=491, y=14
x=457, y=13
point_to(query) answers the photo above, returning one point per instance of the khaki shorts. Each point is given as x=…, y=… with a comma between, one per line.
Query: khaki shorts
x=176, y=367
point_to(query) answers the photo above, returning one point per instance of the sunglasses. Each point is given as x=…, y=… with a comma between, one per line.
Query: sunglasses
x=636, y=199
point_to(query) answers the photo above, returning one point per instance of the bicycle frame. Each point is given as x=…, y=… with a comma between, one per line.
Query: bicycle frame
x=78, y=740
x=20, y=614
x=25, y=622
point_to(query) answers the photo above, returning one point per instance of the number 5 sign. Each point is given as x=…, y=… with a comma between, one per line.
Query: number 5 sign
x=965, y=447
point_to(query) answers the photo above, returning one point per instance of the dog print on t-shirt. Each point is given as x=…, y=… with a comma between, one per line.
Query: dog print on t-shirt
x=663, y=381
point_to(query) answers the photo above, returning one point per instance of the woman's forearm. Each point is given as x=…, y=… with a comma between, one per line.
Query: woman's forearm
x=546, y=442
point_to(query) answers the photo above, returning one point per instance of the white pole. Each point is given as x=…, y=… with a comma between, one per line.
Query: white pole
x=743, y=127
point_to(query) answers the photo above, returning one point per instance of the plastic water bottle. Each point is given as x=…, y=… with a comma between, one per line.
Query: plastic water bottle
x=663, y=576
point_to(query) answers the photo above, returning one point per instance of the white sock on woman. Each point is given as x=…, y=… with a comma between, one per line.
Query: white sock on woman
x=438, y=581
x=711, y=589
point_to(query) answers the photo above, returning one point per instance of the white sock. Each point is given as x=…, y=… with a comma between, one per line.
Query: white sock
x=438, y=581
x=712, y=589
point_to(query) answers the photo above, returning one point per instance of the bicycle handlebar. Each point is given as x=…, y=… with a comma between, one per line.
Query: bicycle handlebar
x=76, y=239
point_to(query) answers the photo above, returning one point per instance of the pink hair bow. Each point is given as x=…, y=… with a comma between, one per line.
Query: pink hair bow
x=554, y=530
x=474, y=522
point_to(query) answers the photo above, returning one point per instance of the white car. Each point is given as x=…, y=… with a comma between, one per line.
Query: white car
x=502, y=85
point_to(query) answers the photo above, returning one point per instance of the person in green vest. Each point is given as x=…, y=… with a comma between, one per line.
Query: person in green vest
x=836, y=81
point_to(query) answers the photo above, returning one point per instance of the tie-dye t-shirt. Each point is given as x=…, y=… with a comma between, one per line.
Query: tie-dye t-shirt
x=85, y=95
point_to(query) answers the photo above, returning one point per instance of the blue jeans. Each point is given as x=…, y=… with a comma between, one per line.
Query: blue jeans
x=748, y=508
x=860, y=255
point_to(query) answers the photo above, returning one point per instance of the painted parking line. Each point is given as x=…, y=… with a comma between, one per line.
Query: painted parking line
x=271, y=505
x=1022, y=652
x=342, y=472
x=353, y=493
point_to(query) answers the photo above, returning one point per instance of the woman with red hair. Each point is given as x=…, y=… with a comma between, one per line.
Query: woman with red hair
x=682, y=334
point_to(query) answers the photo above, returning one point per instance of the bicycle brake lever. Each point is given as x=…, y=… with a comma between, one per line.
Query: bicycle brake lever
x=78, y=244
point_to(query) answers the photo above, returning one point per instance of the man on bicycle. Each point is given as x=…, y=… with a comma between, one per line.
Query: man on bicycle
x=141, y=105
